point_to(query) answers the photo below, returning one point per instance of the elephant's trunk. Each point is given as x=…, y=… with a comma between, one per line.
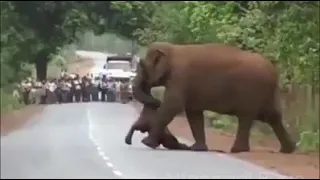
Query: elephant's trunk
x=141, y=90
x=142, y=93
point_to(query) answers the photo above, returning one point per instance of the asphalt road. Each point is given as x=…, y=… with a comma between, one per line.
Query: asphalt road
x=86, y=140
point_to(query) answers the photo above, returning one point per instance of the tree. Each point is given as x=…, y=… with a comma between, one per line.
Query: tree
x=14, y=36
x=287, y=33
x=54, y=24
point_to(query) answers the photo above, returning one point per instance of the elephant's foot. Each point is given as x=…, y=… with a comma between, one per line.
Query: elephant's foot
x=199, y=147
x=179, y=146
x=287, y=145
x=240, y=148
x=184, y=147
x=150, y=142
x=128, y=140
x=288, y=149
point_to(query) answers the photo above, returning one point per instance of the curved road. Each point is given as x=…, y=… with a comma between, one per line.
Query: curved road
x=86, y=140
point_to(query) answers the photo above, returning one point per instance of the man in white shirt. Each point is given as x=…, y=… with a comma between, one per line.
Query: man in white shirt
x=118, y=88
x=111, y=96
x=104, y=85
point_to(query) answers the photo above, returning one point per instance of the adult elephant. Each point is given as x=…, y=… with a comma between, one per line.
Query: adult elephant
x=214, y=77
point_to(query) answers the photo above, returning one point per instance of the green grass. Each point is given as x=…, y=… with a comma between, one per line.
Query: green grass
x=8, y=102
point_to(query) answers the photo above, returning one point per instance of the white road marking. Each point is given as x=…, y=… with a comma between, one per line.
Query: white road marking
x=118, y=173
x=105, y=158
x=98, y=147
x=101, y=153
x=109, y=164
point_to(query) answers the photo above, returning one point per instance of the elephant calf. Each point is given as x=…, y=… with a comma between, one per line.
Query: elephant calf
x=143, y=125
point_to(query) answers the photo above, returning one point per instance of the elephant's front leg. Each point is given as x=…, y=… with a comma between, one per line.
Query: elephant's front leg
x=196, y=123
x=172, y=105
x=241, y=143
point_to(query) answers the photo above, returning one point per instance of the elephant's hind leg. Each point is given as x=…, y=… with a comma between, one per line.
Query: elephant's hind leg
x=170, y=142
x=275, y=121
x=241, y=143
x=196, y=123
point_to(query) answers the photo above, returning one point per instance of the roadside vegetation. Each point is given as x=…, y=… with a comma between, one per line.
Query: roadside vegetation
x=34, y=36
x=38, y=39
x=287, y=33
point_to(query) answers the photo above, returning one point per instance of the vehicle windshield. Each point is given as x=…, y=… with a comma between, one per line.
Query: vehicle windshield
x=117, y=65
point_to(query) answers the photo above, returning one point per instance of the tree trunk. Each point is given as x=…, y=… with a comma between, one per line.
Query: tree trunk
x=42, y=60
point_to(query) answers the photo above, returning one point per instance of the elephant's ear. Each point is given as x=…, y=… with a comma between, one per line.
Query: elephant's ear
x=161, y=64
x=141, y=68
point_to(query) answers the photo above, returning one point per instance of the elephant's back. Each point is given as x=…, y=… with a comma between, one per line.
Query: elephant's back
x=203, y=61
x=221, y=76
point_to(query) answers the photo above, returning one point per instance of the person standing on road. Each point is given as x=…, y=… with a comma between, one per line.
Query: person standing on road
x=118, y=89
x=112, y=91
x=63, y=73
x=104, y=88
x=16, y=92
x=124, y=91
x=95, y=88
x=109, y=92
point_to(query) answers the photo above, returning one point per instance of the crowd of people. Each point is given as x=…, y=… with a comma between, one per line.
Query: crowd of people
x=70, y=87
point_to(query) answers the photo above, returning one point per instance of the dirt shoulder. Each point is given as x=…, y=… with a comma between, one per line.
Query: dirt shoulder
x=264, y=152
x=16, y=119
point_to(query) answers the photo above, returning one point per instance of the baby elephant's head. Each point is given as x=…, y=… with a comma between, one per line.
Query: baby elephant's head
x=147, y=115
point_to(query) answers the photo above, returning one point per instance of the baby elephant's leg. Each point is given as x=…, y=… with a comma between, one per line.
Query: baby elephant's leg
x=129, y=135
x=170, y=142
x=139, y=125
